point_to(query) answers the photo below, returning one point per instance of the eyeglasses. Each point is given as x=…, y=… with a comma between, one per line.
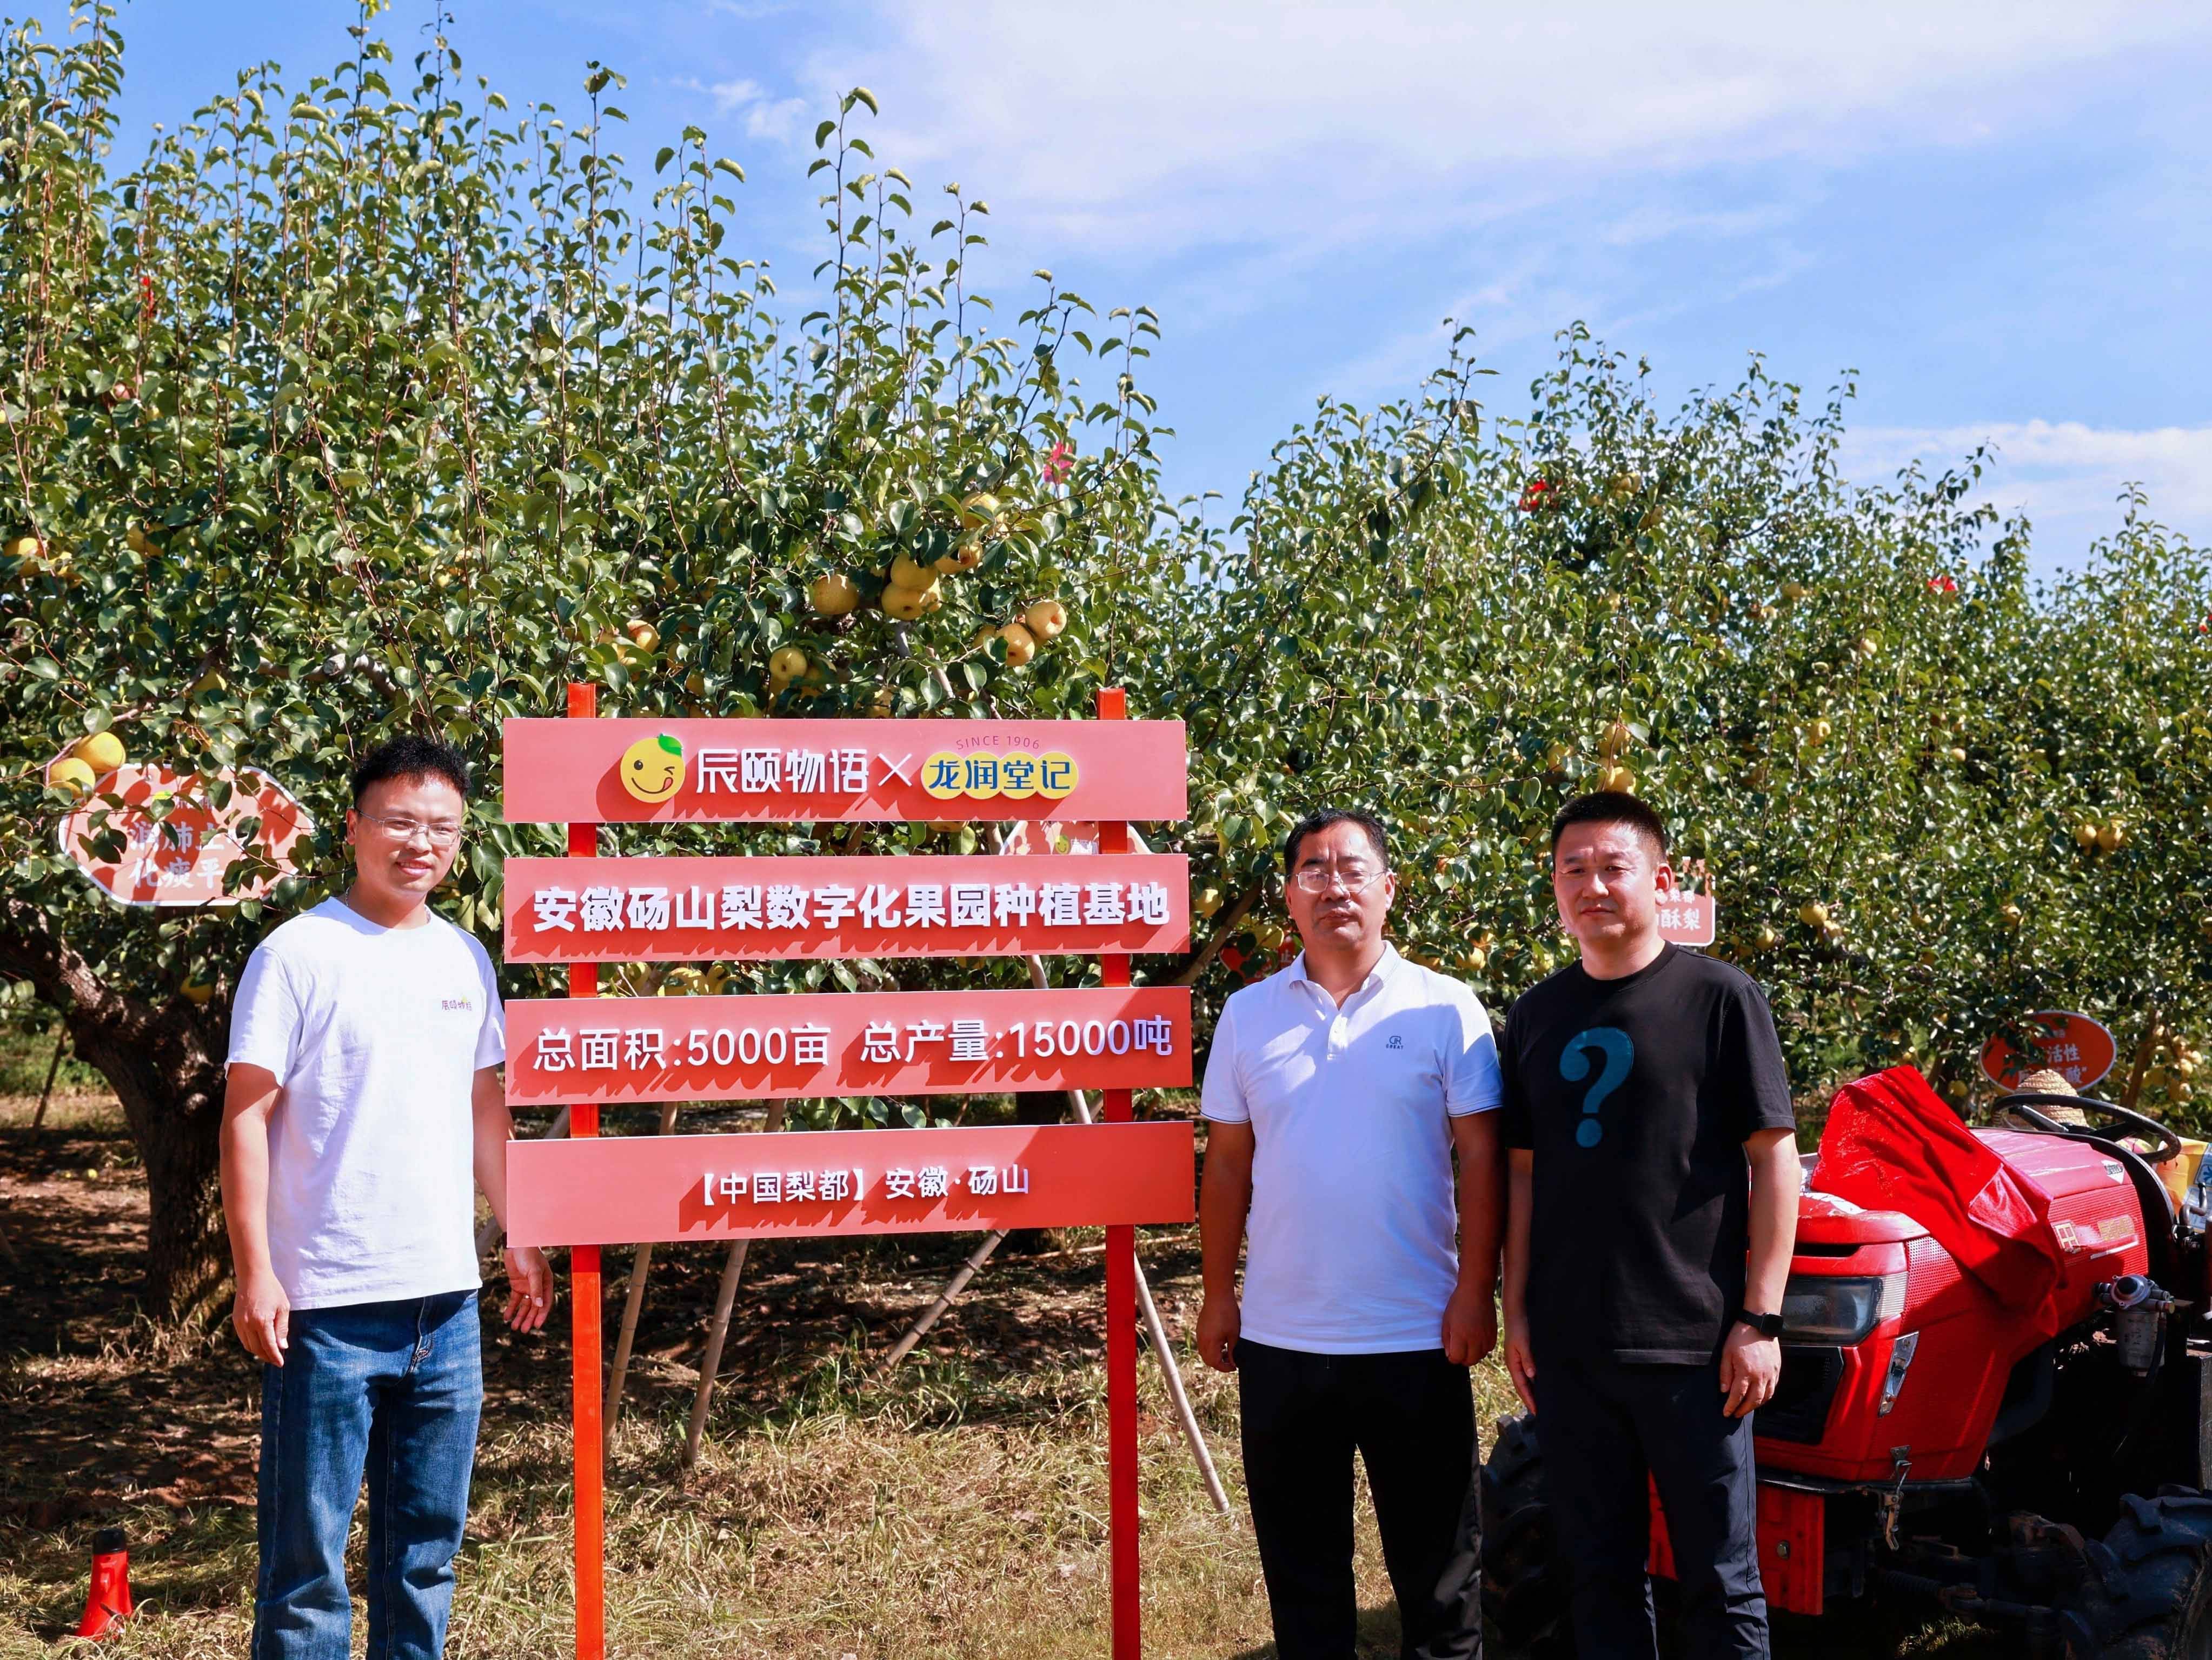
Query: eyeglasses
x=1356, y=878
x=438, y=835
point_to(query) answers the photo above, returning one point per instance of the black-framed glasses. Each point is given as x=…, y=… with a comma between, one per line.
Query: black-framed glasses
x=443, y=833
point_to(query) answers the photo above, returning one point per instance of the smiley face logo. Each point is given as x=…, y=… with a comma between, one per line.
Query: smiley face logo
x=653, y=769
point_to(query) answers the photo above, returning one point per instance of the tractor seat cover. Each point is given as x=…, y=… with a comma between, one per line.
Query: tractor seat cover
x=1890, y=1144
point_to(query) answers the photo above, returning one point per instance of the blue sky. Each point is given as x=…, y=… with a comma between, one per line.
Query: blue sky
x=1996, y=212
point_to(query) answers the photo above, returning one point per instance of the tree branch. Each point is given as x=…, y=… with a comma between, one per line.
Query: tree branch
x=1224, y=925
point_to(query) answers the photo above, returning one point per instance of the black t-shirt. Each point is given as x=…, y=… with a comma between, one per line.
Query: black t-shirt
x=1636, y=1096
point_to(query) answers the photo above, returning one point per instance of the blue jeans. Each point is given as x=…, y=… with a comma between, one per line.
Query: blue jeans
x=393, y=1389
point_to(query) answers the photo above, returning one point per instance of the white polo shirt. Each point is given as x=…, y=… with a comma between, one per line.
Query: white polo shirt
x=1354, y=1230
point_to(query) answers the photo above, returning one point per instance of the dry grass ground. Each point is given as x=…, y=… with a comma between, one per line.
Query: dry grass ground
x=959, y=1510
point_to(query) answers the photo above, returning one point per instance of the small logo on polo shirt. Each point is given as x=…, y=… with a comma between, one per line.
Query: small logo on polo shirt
x=1396, y=1040
x=466, y=1005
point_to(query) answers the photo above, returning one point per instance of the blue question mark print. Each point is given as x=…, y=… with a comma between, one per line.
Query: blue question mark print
x=1620, y=1052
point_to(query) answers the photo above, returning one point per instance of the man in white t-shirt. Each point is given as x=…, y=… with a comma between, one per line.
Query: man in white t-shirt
x=363, y=1110
x=1337, y=1094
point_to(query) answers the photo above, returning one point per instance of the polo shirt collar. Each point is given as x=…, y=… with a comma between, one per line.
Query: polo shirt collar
x=1385, y=966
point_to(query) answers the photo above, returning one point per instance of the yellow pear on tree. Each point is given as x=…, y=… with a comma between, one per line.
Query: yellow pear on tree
x=904, y=603
x=1021, y=644
x=789, y=663
x=73, y=776
x=834, y=595
x=905, y=573
x=1045, y=619
x=103, y=752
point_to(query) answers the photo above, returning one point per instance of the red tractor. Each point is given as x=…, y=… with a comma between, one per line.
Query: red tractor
x=2043, y=1470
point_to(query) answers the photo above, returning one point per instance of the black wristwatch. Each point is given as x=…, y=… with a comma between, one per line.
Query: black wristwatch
x=1766, y=1326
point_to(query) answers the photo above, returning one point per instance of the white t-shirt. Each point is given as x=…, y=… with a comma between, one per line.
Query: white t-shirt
x=376, y=1035
x=1353, y=1229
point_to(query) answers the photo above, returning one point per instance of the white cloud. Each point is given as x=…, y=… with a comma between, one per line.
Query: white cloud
x=766, y=116
x=2066, y=475
x=1170, y=125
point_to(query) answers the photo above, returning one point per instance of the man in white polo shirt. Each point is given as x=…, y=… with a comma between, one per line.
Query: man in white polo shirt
x=1336, y=1095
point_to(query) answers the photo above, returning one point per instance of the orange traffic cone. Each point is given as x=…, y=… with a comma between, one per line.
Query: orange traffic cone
x=108, y=1604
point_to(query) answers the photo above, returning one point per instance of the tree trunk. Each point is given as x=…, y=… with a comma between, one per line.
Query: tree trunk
x=165, y=1066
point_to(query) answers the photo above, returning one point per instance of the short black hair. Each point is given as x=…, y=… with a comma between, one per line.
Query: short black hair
x=410, y=757
x=1314, y=823
x=1611, y=807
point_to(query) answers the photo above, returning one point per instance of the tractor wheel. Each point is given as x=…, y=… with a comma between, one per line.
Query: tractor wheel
x=1524, y=1585
x=2148, y=1593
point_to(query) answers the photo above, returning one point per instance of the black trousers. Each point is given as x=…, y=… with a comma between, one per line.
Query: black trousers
x=1604, y=1428
x=1411, y=1416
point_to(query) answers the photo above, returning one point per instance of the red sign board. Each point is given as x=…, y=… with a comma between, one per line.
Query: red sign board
x=2078, y=1049
x=855, y=1043
x=663, y=1188
x=586, y=1193
x=1687, y=918
x=700, y=909
x=150, y=835
x=812, y=771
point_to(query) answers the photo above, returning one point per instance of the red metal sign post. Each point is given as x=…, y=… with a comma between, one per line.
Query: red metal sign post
x=584, y=1302
x=1115, y=1037
x=1118, y=1107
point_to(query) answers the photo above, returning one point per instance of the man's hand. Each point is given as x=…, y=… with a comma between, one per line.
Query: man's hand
x=1219, y=1320
x=529, y=1287
x=261, y=1315
x=1470, y=1326
x=1520, y=1362
x=1751, y=1365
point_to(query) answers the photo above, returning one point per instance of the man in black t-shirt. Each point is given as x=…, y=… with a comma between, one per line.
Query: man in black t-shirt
x=1653, y=1208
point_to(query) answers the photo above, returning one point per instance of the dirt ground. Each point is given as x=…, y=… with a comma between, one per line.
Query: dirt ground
x=958, y=1509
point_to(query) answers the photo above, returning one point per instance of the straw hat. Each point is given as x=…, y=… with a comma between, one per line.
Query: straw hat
x=2047, y=1082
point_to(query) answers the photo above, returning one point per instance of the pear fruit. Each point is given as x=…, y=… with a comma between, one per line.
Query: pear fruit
x=1045, y=619
x=834, y=595
x=103, y=752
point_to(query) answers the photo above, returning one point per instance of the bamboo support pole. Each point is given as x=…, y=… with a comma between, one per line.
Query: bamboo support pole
x=633, y=1305
x=953, y=1288
x=726, y=1297
x=53, y=1071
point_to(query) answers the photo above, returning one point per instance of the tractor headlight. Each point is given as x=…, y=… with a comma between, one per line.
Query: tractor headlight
x=1819, y=1308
